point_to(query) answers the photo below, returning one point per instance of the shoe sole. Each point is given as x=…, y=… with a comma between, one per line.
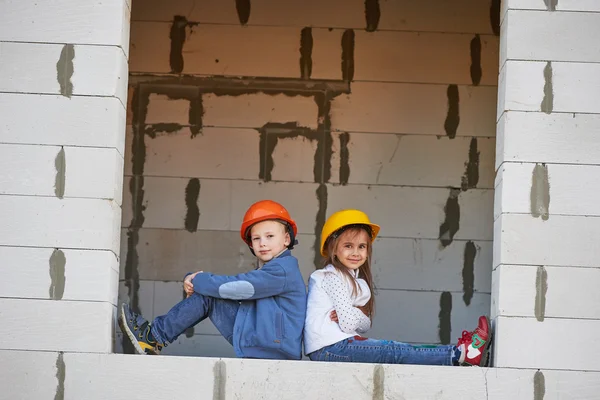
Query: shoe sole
x=486, y=347
x=125, y=329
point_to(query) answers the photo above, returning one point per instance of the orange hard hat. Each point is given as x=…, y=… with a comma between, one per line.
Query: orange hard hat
x=265, y=210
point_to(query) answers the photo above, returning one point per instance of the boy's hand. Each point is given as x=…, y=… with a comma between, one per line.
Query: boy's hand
x=334, y=316
x=188, y=287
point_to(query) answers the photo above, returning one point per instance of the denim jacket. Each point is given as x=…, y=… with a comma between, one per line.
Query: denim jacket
x=272, y=309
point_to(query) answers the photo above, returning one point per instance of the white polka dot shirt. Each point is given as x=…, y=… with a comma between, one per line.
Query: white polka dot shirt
x=350, y=318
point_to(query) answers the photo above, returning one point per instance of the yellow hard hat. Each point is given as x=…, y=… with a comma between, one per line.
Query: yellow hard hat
x=344, y=218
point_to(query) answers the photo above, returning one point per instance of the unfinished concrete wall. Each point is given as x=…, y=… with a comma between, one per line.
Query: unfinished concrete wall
x=63, y=90
x=547, y=224
x=385, y=106
x=102, y=376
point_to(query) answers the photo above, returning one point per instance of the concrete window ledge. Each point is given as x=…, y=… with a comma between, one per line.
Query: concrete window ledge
x=88, y=376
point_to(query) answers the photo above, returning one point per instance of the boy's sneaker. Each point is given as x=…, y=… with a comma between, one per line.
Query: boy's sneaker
x=474, y=345
x=138, y=330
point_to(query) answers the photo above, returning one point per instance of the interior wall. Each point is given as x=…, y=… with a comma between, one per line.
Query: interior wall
x=387, y=106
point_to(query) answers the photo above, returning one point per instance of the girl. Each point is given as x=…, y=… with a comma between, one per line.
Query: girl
x=340, y=306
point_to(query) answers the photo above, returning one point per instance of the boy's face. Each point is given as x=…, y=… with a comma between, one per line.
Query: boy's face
x=269, y=238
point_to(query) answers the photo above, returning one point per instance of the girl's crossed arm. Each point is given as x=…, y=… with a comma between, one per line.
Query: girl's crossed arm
x=351, y=319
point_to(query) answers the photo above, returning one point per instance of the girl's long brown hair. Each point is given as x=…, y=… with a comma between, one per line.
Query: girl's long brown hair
x=364, y=270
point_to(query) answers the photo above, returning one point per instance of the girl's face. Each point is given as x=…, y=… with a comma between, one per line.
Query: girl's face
x=352, y=248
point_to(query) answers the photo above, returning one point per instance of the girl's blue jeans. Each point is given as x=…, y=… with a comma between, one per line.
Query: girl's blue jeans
x=359, y=349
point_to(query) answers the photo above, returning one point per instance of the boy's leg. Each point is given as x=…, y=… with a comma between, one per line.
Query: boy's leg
x=192, y=310
x=150, y=338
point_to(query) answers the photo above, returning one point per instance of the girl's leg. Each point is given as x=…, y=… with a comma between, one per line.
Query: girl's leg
x=472, y=349
x=359, y=349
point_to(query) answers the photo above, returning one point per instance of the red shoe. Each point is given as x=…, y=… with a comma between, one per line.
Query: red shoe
x=474, y=345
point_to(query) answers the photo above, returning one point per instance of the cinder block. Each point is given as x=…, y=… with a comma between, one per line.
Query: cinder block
x=127, y=154
x=546, y=292
x=330, y=14
x=256, y=110
x=521, y=86
x=525, y=240
x=578, y=5
x=401, y=210
x=443, y=16
x=434, y=57
x=201, y=345
x=510, y=383
x=130, y=105
x=80, y=275
x=101, y=118
x=547, y=138
x=551, y=36
x=89, y=23
x=326, y=55
x=407, y=381
x=358, y=382
x=150, y=45
x=67, y=223
x=215, y=49
x=394, y=308
x=95, y=376
x=523, y=5
x=202, y=156
x=560, y=189
x=163, y=109
x=294, y=159
x=32, y=68
x=125, y=32
x=414, y=160
x=461, y=16
x=243, y=51
x=165, y=203
x=34, y=171
x=563, y=5
x=526, y=343
x=32, y=374
x=212, y=11
x=413, y=109
x=167, y=254
x=420, y=264
x=262, y=13
x=70, y=326
x=562, y=87
x=271, y=379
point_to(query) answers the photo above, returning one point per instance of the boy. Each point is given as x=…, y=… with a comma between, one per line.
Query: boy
x=261, y=312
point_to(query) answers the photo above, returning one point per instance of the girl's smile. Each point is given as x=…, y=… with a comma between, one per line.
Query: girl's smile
x=352, y=249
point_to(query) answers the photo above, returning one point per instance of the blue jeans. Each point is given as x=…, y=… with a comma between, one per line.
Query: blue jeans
x=191, y=311
x=359, y=349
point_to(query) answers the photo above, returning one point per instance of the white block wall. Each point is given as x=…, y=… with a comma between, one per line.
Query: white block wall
x=546, y=210
x=100, y=376
x=388, y=142
x=63, y=88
